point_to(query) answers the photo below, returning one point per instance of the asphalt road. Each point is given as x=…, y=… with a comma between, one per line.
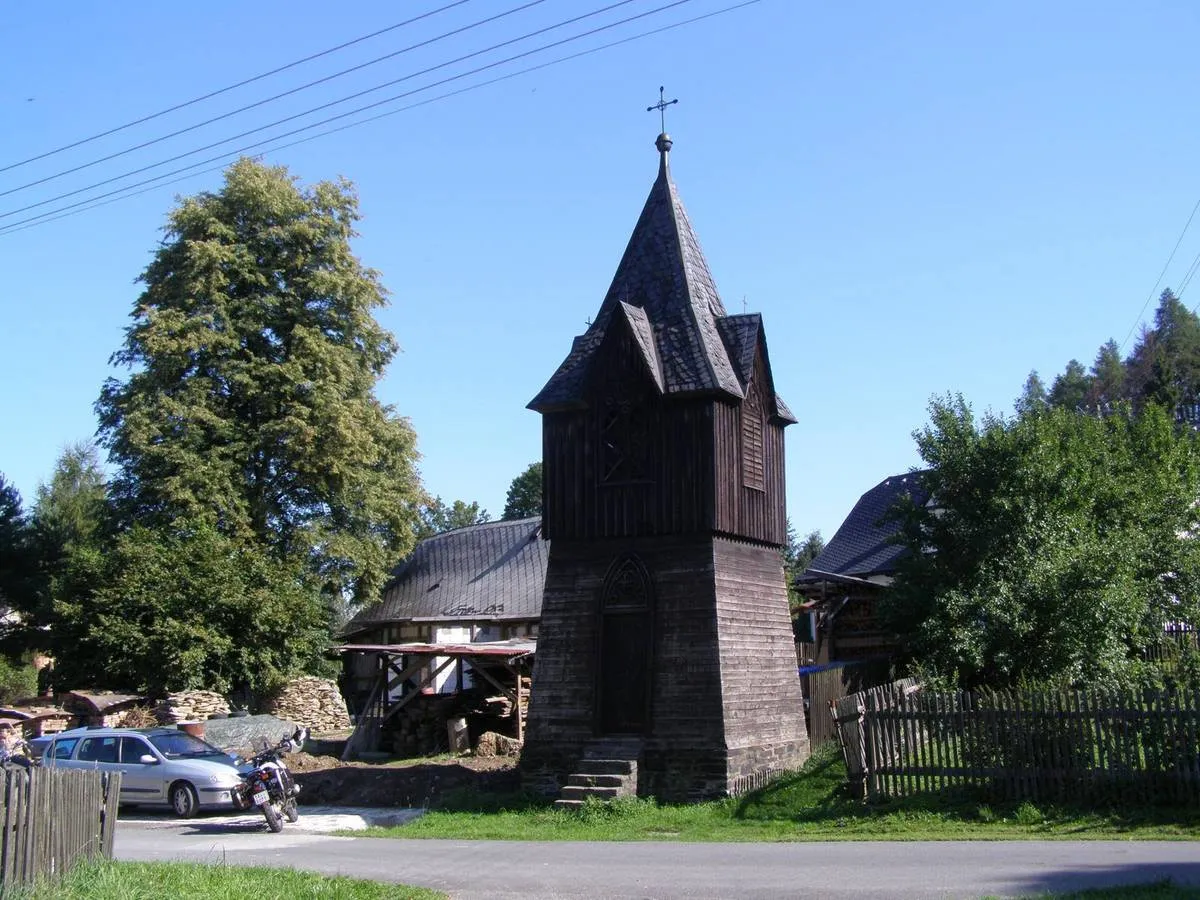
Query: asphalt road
x=498, y=870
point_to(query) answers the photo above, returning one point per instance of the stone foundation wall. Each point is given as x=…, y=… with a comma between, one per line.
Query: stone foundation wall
x=725, y=705
x=750, y=768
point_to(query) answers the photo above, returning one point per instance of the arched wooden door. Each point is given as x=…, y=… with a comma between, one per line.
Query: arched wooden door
x=626, y=648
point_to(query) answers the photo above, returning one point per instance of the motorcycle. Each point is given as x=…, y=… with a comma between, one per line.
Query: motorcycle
x=268, y=784
x=19, y=753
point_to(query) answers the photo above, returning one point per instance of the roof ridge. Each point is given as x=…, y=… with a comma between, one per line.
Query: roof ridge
x=490, y=523
x=677, y=213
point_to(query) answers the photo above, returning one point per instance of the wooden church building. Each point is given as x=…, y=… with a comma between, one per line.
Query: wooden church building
x=665, y=635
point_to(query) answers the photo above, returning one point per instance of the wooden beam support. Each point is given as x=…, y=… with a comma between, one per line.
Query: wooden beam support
x=494, y=683
x=408, y=673
x=404, y=701
x=517, y=708
x=368, y=722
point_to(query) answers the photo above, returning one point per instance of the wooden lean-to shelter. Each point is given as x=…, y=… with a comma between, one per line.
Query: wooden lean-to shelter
x=452, y=636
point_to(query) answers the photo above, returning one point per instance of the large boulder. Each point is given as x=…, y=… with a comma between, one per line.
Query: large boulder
x=247, y=734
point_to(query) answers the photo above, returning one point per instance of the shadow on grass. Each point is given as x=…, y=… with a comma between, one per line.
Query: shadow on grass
x=473, y=799
x=816, y=800
x=818, y=794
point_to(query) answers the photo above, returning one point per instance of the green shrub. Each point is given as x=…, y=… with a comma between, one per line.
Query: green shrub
x=17, y=680
x=1028, y=814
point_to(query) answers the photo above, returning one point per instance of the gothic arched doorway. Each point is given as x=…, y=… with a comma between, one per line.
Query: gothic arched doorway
x=623, y=679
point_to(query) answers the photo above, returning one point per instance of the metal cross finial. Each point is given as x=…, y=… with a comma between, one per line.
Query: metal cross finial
x=661, y=106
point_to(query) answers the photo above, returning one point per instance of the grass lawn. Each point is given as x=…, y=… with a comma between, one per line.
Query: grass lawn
x=194, y=881
x=808, y=806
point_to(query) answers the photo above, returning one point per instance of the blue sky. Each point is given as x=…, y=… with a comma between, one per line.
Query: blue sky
x=919, y=198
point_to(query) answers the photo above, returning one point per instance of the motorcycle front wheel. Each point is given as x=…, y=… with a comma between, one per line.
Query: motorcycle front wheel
x=291, y=810
x=271, y=814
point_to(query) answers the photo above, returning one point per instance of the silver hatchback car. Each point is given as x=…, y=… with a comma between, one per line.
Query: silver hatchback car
x=157, y=765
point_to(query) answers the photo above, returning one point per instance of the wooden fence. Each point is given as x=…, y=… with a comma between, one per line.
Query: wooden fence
x=848, y=718
x=52, y=819
x=823, y=685
x=1167, y=651
x=1139, y=748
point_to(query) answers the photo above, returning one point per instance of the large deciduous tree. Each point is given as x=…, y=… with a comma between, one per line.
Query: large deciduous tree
x=185, y=606
x=524, y=498
x=250, y=406
x=1056, y=544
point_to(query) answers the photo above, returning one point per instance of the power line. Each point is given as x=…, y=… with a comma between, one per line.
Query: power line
x=225, y=90
x=280, y=96
x=91, y=204
x=1188, y=275
x=377, y=103
x=1167, y=265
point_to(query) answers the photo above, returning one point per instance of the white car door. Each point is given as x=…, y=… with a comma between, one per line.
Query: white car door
x=101, y=752
x=140, y=781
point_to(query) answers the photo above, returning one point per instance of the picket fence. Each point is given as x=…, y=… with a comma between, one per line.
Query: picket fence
x=1135, y=747
x=54, y=818
x=848, y=715
x=825, y=684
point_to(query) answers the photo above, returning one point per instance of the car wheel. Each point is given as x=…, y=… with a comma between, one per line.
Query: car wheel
x=183, y=800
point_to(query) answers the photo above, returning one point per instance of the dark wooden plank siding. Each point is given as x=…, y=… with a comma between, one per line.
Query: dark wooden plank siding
x=695, y=483
x=685, y=697
x=742, y=511
x=760, y=684
x=675, y=499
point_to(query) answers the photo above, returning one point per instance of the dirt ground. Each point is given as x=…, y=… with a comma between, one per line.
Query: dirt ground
x=410, y=783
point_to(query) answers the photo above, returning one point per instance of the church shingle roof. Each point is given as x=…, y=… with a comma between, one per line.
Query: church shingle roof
x=663, y=273
x=495, y=571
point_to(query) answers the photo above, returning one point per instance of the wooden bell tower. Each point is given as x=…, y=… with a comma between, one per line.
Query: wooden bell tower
x=665, y=623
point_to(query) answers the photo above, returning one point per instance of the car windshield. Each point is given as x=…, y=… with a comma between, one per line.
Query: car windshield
x=181, y=745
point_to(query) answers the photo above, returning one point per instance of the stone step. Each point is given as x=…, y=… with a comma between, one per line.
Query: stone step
x=606, y=767
x=582, y=793
x=613, y=748
x=585, y=780
x=568, y=804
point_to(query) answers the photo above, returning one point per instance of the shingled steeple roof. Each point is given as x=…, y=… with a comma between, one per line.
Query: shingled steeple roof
x=664, y=290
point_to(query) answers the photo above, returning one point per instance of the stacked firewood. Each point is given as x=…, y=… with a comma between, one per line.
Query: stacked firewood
x=419, y=729
x=190, y=706
x=314, y=702
x=492, y=743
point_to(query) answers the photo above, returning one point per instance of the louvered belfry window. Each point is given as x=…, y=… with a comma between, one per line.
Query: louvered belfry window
x=623, y=441
x=752, y=438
